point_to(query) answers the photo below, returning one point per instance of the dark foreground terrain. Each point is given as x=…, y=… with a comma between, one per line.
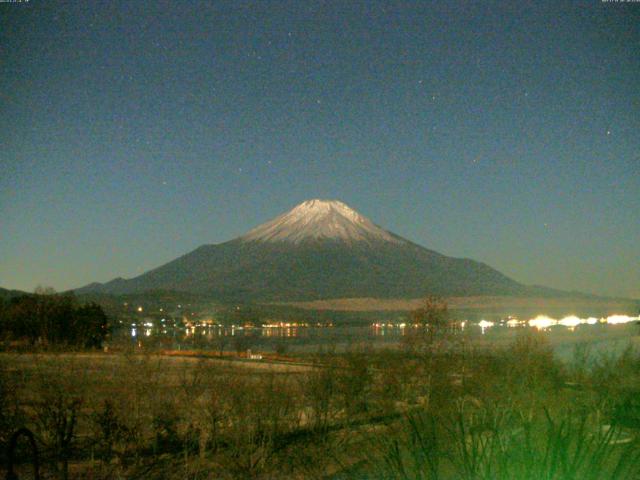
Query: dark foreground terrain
x=445, y=410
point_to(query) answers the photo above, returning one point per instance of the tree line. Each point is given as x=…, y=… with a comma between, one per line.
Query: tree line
x=48, y=318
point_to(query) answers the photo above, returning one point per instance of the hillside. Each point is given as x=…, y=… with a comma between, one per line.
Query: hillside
x=320, y=250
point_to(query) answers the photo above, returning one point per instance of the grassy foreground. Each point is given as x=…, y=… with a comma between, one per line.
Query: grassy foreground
x=419, y=413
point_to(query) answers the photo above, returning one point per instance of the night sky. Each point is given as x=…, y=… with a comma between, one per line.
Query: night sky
x=507, y=132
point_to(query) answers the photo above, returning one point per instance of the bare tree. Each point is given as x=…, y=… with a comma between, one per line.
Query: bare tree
x=60, y=397
x=429, y=323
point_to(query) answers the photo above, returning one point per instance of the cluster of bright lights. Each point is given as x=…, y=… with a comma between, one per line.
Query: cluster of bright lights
x=615, y=319
x=401, y=325
x=543, y=322
x=485, y=324
x=284, y=325
x=571, y=321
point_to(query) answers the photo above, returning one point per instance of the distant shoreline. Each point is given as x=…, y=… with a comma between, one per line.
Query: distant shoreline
x=476, y=302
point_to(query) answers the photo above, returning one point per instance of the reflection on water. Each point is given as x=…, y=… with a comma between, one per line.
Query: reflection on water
x=209, y=335
x=213, y=332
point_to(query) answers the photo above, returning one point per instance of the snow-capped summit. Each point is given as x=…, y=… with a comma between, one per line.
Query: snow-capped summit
x=320, y=219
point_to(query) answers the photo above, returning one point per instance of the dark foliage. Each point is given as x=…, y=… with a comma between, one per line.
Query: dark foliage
x=53, y=319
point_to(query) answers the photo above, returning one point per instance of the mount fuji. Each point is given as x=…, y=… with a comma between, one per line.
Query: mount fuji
x=318, y=250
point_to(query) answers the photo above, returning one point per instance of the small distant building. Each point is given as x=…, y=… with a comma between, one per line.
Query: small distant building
x=253, y=356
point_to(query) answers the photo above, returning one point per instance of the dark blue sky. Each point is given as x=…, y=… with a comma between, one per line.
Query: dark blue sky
x=133, y=132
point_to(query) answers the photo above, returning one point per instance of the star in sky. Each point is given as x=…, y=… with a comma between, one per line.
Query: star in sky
x=347, y=102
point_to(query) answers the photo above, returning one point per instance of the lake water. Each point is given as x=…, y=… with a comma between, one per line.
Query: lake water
x=604, y=336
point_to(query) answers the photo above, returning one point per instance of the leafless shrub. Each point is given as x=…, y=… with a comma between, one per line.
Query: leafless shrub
x=11, y=416
x=59, y=395
x=353, y=382
x=263, y=412
x=320, y=394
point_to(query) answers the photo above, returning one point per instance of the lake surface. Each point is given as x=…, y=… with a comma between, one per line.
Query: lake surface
x=601, y=336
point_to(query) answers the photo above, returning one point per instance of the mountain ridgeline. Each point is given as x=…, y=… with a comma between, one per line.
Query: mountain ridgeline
x=319, y=250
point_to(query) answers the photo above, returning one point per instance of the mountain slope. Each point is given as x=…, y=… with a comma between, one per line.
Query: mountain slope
x=320, y=249
x=6, y=294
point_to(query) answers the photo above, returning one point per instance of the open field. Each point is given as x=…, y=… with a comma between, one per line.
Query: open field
x=432, y=411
